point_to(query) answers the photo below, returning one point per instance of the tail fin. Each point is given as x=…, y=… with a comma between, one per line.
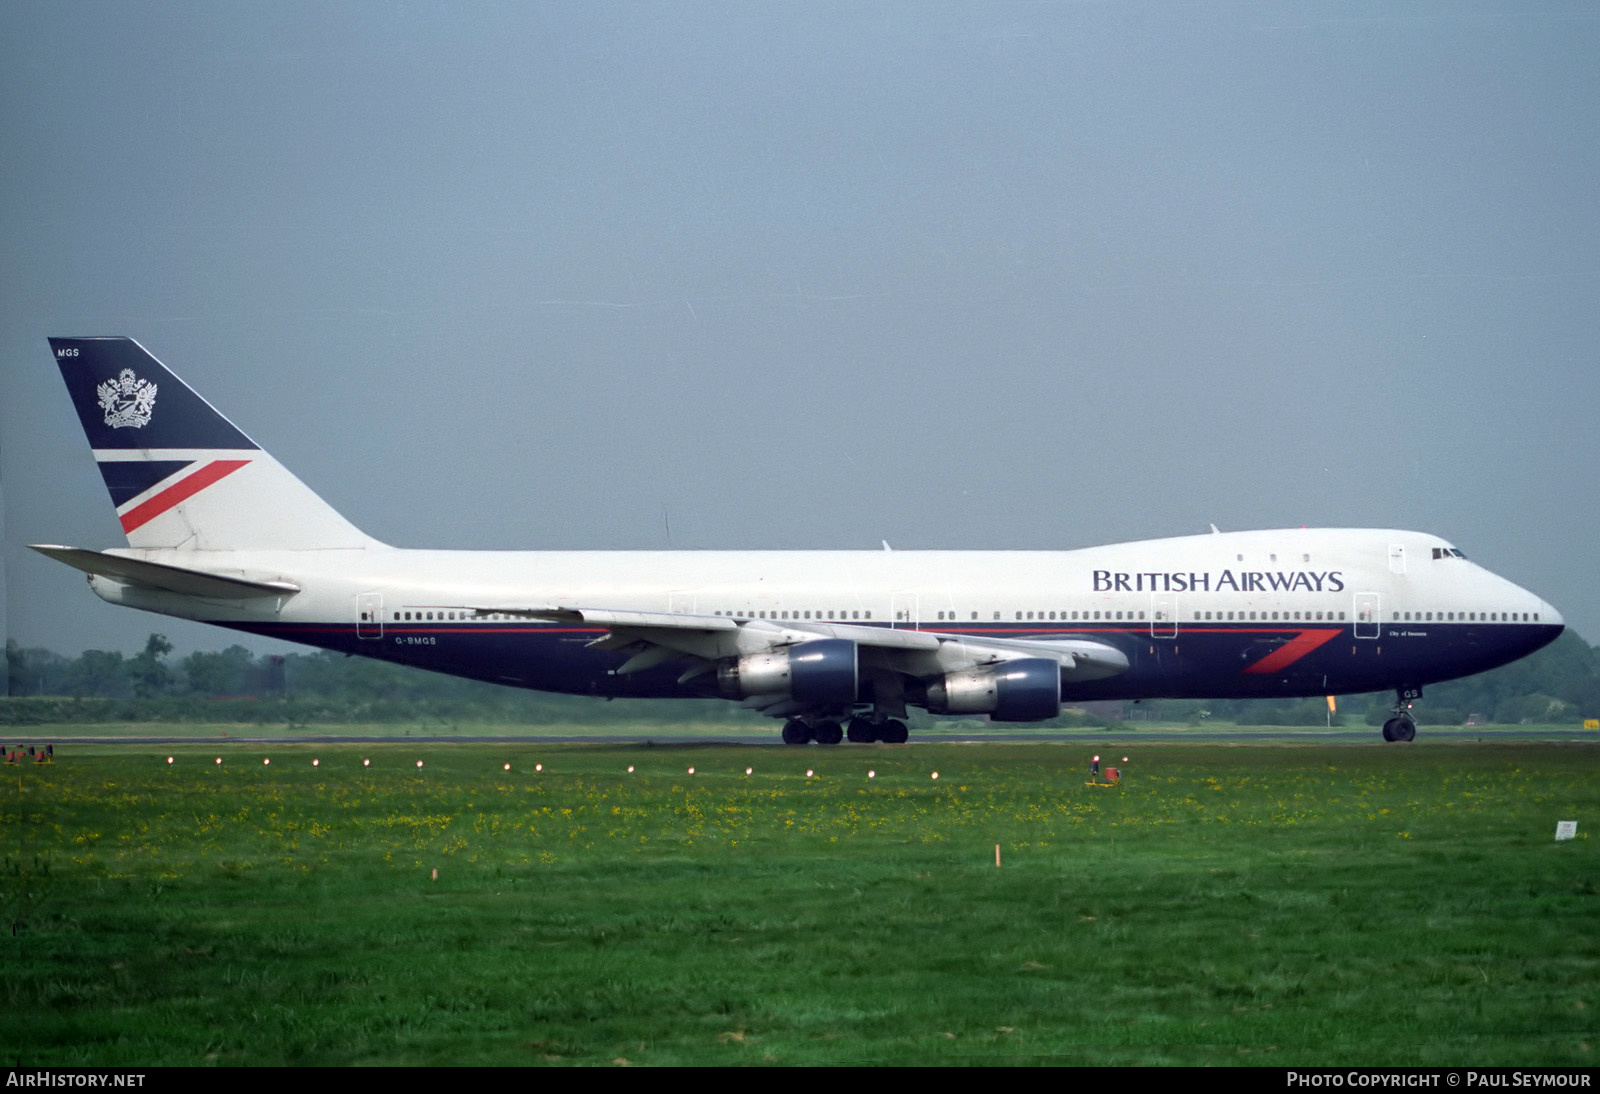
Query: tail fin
x=179, y=473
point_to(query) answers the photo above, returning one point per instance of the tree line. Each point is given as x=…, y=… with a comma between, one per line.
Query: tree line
x=1558, y=685
x=322, y=687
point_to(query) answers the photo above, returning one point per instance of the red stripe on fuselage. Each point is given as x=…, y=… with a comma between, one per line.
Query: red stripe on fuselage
x=1292, y=650
x=179, y=492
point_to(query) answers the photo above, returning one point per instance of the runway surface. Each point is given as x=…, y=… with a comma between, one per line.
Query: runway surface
x=1089, y=738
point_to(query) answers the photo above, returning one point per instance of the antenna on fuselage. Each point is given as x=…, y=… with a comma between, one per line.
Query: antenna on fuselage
x=1215, y=530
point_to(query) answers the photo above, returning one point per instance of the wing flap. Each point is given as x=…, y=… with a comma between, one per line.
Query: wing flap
x=1081, y=659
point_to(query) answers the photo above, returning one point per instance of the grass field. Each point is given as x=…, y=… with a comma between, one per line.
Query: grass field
x=1278, y=904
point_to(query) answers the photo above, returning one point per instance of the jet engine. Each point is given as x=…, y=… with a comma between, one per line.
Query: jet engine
x=1025, y=690
x=824, y=672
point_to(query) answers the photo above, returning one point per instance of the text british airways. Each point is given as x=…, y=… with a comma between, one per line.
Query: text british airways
x=1244, y=581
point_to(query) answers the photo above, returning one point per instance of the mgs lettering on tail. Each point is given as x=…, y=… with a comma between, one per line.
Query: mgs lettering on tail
x=1242, y=581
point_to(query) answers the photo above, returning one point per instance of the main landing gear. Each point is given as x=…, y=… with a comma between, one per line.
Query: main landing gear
x=797, y=731
x=1401, y=726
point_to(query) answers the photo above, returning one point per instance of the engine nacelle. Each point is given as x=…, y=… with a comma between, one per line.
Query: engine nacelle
x=1026, y=690
x=825, y=671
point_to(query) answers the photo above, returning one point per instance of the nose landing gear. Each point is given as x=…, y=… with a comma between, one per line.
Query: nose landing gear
x=1401, y=726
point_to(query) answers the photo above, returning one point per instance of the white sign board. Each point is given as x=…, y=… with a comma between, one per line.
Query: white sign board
x=1566, y=829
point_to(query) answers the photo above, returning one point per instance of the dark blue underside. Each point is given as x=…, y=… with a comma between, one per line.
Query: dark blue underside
x=1203, y=662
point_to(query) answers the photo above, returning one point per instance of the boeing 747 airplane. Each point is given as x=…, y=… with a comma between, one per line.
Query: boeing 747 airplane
x=836, y=643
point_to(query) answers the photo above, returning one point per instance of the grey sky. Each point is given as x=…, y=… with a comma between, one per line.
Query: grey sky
x=989, y=275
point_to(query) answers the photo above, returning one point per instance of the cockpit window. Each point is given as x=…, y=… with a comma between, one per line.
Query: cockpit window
x=1447, y=552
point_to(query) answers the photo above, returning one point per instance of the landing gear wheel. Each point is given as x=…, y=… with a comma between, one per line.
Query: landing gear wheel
x=827, y=733
x=861, y=731
x=796, y=732
x=893, y=733
x=1400, y=728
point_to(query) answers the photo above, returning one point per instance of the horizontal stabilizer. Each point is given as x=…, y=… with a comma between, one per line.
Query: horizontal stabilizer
x=159, y=575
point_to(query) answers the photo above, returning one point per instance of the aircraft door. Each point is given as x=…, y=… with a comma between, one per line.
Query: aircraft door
x=1368, y=617
x=1163, y=616
x=369, y=615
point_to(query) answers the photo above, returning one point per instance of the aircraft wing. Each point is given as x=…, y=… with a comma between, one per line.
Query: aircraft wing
x=657, y=637
x=165, y=577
